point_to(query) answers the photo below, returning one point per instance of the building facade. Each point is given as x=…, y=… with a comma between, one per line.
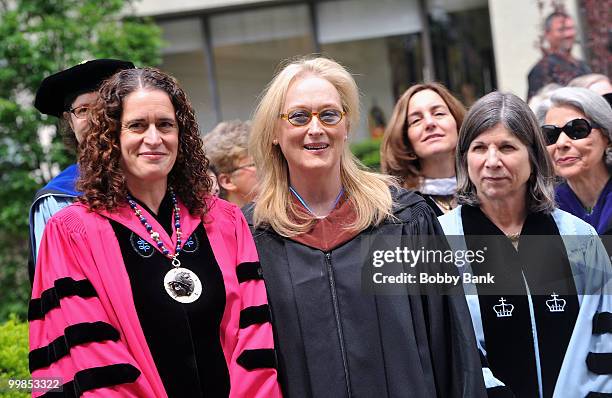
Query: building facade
x=224, y=52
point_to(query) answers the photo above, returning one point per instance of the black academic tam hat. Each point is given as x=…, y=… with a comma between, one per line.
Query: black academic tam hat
x=82, y=78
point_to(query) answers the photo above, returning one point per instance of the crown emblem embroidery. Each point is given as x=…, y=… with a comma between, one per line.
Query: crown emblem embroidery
x=555, y=305
x=503, y=310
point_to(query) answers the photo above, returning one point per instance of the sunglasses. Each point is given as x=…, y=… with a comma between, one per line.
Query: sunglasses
x=301, y=117
x=576, y=129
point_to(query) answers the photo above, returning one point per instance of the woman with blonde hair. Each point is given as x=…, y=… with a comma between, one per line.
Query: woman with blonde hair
x=315, y=211
x=419, y=143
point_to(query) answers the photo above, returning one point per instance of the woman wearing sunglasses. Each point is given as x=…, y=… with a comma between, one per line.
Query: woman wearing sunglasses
x=315, y=212
x=577, y=127
x=419, y=143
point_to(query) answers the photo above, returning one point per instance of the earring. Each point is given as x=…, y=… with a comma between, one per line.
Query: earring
x=275, y=142
x=411, y=156
x=346, y=137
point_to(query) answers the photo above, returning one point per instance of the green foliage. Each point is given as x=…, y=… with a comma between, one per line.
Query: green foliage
x=14, y=354
x=368, y=151
x=39, y=38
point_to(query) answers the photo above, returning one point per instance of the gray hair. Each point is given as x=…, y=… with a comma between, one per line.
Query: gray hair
x=511, y=112
x=587, y=80
x=594, y=107
x=227, y=143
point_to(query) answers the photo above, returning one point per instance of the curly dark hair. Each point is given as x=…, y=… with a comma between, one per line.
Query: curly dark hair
x=102, y=180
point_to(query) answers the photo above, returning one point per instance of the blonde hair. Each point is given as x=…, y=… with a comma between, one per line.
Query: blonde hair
x=397, y=156
x=367, y=192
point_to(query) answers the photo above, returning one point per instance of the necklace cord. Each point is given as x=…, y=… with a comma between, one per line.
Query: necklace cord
x=303, y=202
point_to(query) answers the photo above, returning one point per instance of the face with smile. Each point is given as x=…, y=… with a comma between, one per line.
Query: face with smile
x=149, y=137
x=575, y=158
x=79, y=125
x=314, y=147
x=432, y=129
x=498, y=165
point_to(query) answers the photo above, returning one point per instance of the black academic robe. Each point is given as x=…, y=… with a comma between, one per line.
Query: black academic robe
x=335, y=339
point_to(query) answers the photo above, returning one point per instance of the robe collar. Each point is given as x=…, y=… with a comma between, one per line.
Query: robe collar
x=64, y=183
x=329, y=232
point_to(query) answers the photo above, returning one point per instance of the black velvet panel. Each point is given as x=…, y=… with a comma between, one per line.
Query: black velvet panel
x=432, y=203
x=254, y=315
x=509, y=339
x=74, y=335
x=602, y=323
x=50, y=298
x=93, y=378
x=600, y=363
x=599, y=395
x=500, y=392
x=483, y=359
x=249, y=272
x=184, y=339
x=258, y=358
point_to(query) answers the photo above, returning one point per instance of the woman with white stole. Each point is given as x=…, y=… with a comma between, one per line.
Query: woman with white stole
x=544, y=325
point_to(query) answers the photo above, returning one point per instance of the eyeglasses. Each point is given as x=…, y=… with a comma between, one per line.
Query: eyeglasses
x=301, y=117
x=242, y=167
x=576, y=129
x=80, y=112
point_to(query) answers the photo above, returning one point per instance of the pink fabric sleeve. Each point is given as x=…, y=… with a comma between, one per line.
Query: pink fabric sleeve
x=252, y=366
x=72, y=336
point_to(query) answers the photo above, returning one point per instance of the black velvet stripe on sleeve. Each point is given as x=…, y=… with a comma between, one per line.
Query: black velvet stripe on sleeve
x=599, y=395
x=257, y=358
x=500, y=392
x=602, y=323
x=249, y=271
x=74, y=335
x=600, y=363
x=254, y=315
x=50, y=298
x=93, y=378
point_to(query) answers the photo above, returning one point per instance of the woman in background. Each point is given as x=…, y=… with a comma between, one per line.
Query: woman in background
x=419, y=143
x=577, y=127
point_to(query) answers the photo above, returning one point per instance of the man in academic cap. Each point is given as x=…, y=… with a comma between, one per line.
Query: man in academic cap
x=66, y=95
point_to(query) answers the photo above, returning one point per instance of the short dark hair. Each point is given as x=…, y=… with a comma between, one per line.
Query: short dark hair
x=551, y=16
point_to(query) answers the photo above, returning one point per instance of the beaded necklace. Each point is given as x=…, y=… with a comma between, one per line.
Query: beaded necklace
x=182, y=284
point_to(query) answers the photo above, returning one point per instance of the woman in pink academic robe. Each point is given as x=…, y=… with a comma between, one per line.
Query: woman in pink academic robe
x=149, y=287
